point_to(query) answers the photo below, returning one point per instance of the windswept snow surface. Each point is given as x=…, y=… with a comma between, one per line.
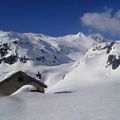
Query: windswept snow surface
x=82, y=74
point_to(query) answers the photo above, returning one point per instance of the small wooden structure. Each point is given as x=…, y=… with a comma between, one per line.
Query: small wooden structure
x=16, y=81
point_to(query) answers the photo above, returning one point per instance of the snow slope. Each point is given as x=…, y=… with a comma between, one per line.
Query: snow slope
x=96, y=66
x=100, y=102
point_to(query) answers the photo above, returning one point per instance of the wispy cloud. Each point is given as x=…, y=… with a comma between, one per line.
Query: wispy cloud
x=107, y=21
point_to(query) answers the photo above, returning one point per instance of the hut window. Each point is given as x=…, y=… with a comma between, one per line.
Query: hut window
x=20, y=79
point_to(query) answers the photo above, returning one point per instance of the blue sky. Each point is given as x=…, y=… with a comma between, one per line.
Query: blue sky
x=60, y=17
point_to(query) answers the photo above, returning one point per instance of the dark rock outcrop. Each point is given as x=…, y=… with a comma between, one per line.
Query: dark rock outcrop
x=113, y=61
x=10, y=60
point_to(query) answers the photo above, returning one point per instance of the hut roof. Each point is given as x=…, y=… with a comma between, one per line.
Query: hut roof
x=25, y=74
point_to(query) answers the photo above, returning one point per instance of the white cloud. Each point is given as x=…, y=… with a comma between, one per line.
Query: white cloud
x=105, y=22
x=117, y=14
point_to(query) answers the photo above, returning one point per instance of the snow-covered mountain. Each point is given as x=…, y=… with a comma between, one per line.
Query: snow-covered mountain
x=82, y=72
x=65, y=63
